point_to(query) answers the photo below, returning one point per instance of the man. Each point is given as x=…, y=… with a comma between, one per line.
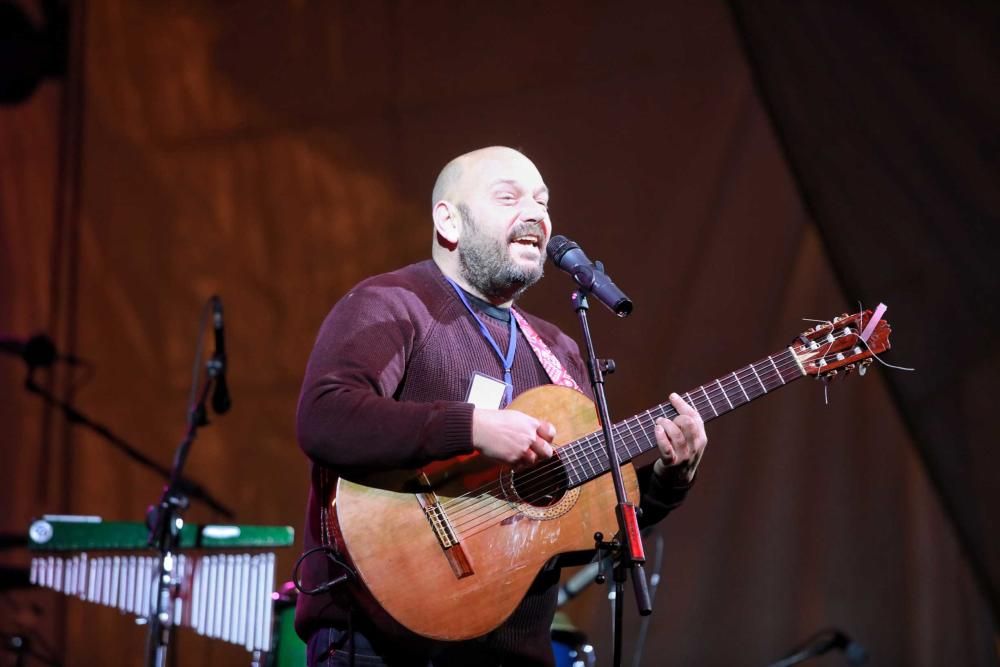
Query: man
x=387, y=384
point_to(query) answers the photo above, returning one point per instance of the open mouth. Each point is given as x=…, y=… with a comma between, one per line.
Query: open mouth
x=532, y=240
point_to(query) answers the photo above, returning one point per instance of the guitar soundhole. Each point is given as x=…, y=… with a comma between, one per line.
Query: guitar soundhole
x=542, y=485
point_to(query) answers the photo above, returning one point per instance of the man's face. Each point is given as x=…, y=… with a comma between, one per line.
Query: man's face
x=505, y=226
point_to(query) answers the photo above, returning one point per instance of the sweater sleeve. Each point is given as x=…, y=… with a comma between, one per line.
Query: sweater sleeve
x=658, y=496
x=348, y=417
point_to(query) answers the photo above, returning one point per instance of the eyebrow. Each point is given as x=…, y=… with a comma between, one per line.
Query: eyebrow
x=544, y=190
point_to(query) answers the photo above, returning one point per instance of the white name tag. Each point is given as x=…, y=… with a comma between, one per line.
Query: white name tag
x=485, y=392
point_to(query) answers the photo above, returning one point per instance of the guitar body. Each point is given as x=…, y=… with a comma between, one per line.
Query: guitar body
x=470, y=588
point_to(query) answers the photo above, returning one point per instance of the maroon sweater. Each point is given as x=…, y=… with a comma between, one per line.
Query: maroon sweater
x=385, y=389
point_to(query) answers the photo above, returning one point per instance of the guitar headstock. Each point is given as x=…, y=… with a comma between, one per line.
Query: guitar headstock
x=828, y=349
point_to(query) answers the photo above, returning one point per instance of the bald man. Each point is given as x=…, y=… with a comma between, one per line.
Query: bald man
x=416, y=366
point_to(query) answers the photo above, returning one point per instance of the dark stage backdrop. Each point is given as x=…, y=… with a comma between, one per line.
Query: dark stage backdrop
x=277, y=153
x=895, y=142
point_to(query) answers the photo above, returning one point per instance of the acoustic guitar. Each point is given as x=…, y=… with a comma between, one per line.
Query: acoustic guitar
x=450, y=553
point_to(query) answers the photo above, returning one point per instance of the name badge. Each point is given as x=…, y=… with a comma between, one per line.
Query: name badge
x=485, y=392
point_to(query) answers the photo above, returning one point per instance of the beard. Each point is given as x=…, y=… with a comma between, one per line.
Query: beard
x=486, y=263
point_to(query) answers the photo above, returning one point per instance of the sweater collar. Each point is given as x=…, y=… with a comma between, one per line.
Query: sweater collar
x=485, y=307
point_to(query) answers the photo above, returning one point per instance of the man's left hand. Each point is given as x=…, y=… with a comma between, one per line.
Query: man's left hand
x=681, y=442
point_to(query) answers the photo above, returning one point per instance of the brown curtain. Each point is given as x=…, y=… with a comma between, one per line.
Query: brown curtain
x=277, y=153
x=889, y=121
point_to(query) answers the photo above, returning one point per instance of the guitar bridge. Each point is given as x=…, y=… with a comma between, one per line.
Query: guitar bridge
x=447, y=536
x=442, y=526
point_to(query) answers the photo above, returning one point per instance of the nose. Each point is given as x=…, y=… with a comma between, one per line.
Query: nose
x=534, y=212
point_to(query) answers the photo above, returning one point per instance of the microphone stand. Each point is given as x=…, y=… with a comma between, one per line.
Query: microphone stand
x=72, y=415
x=823, y=642
x=626, y=546
x=166, y=523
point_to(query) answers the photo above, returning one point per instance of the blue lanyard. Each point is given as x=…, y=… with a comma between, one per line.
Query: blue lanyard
x=507, y=361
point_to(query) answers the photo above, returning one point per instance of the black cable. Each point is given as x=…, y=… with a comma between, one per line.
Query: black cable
x=348, y=573
x=332, y=554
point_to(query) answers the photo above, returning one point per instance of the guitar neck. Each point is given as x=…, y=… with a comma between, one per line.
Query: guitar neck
x=587, y=458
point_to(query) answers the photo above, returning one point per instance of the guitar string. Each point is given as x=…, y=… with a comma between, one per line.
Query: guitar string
x=664, y=408
x=595, y=442
x=451, y=503
x=644, y=429
x=743, y=378
x=510, y=508
x=582, y=450
x=536, y=489
x=531, y=491
x=534, y=483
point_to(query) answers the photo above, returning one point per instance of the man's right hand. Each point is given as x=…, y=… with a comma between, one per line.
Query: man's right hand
x=511, y=437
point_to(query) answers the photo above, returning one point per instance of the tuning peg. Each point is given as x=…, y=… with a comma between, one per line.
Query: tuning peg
x=848, y=369
x=863, y=367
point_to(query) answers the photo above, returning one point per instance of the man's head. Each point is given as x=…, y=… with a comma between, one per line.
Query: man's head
x=491, y=222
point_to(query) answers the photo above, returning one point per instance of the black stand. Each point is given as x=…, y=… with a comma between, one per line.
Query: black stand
x=626, y=547
x=823, y=642
x=193, y=489
x=165, y=522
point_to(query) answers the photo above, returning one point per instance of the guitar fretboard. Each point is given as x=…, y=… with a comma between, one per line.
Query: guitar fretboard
x=587, y=458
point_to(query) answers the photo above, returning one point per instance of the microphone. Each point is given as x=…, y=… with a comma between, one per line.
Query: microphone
x=568, y=256
x=38, y=351
x=220, y=395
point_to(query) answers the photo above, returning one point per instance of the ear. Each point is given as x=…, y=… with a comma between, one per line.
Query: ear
x=447, y=222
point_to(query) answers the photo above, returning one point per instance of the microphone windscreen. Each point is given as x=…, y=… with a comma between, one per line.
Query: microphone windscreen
x=557, y=247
